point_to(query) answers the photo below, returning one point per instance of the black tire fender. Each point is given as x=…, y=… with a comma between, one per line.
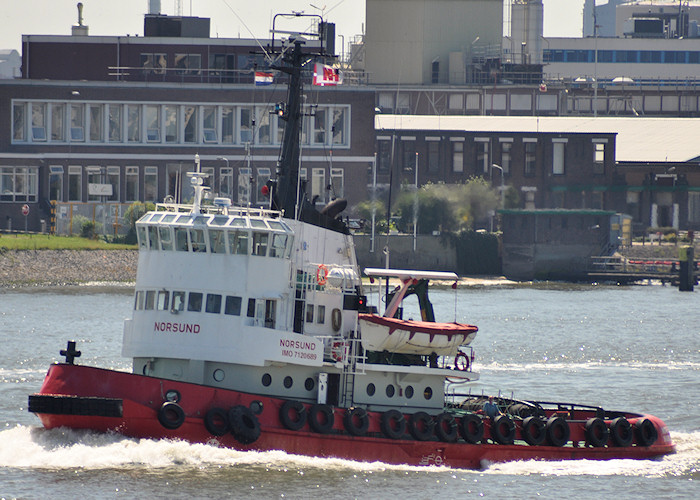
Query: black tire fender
x=471, y=427
x=245, y=426
x=534, y=431
x=356, y=414
x=503, y=429
x=420, y=425
x=596, y=432
x=646, y=432
x=321, y=418
x=171, y=415
x=295, y=422
x=558, y=431
x=216, y=421
x=621, y=432
x=446, y=428
x=393, y=424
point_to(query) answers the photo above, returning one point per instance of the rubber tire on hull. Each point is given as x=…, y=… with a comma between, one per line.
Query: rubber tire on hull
x=393, y=424
x=646, y=432
x=558, y=431
x=503, y=430
x=216, y=421
x=471, y=427
x=621, y=432
x=245, y=426
x=171, y=415
x=596, y=432
x=293, y=423
x=446, y=428
x=321, y=418
x=359, y=428
x=534, y=431
x=420, y=425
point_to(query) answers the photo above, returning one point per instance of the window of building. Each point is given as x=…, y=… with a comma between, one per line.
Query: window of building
x=75, y=183
x=154, y=63
x=190, y=120
x=152, y=123
x=693, y=207
x=188, y=64
x=244, y=186
x=262, y=178
x=56, y=182
x=318, y=184
x=38, y=121
x=263, y=122
x=598, y=157
x=94, y=180
x=319, y=126
x=77, y=122
x=482, y=155
x=506, y=151
x=226, y=183
x=58, y=120
x=19, y=122
x=530, y=158
x=558, y=157
x=132, y=184
x=150, y=184
x=339, y=126
x=383, y=155
x=172, y=124
x=95, y=112
x=113, y=178
x=209, y=124
x=457, y=156
x=19, y=183
x=337, y=183
x=227, y=124
x=115, y=122
x=433, y=154
x=246, y=125
x=133, y=125
x=408, y=154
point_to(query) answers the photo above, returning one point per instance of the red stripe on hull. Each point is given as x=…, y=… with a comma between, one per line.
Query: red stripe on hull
x=142, y=397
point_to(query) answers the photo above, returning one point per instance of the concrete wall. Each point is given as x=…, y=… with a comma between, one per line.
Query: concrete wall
x=432, y=253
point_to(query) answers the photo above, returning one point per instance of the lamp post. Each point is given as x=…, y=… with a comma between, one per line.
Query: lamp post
x=493, y=165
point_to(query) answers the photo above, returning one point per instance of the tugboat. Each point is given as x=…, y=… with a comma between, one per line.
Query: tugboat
x=251, y=330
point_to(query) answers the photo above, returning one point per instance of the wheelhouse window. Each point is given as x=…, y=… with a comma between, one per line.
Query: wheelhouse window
x=194, y=302
x=233, y=305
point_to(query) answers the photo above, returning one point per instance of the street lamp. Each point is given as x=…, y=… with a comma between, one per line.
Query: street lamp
x=503, y=203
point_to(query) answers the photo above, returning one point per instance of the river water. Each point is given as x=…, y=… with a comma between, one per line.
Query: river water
x=624, y=348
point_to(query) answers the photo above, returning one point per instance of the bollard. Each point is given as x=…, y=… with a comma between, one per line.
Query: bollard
x=686, y=271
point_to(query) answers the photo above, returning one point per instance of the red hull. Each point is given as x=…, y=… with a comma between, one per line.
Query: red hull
x=143, y=396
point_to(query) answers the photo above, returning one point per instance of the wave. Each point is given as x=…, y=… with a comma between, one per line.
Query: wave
x=68, y=449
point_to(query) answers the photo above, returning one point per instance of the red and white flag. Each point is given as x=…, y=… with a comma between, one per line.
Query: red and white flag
x=263, y=78
x=326, y=75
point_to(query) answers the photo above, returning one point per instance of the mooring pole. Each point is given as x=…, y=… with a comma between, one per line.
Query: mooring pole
x=686, y=270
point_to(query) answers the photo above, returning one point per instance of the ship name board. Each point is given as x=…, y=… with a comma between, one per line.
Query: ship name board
x=167, y=327
x=298, y=349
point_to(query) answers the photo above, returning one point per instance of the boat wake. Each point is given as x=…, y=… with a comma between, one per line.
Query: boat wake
x=58, y=449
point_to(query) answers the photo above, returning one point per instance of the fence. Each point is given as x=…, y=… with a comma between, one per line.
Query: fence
x=107, y=217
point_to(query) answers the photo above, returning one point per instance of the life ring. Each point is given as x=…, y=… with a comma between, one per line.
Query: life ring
x=446, y=428
x=216, y=421
x=322, y=274
x=420, y=425
x=338, y=350
x=503, y=430
x=646, y=432
x=356, y=421
x=462, y=361
x=245, y=426
x=471, y=427
x=321, y=418
x=295, y=422
x=621, y=432
x=393, y=424
x=336, y=319
x=171, y=415
x=558, y=431
x=534, y=431
x=596, y=432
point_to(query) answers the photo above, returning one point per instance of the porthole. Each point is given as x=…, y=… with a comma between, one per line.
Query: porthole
x=409, y=392
x=173, y=396
x=428, y=393
x=266, y=380
x=219, y=375
x=309, y=384
x=256, y=407
x=390, y=391
x=370, y=389
x=288, y=381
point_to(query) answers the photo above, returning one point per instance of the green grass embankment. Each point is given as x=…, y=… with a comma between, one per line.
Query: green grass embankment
x=51, y=242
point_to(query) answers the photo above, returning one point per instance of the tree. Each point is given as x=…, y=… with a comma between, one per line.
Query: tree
x=135, y=211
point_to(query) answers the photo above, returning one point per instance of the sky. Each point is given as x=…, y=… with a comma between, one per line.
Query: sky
x=229, y=18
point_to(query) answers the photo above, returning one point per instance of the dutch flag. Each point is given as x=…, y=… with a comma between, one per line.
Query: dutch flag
x=263, y=78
